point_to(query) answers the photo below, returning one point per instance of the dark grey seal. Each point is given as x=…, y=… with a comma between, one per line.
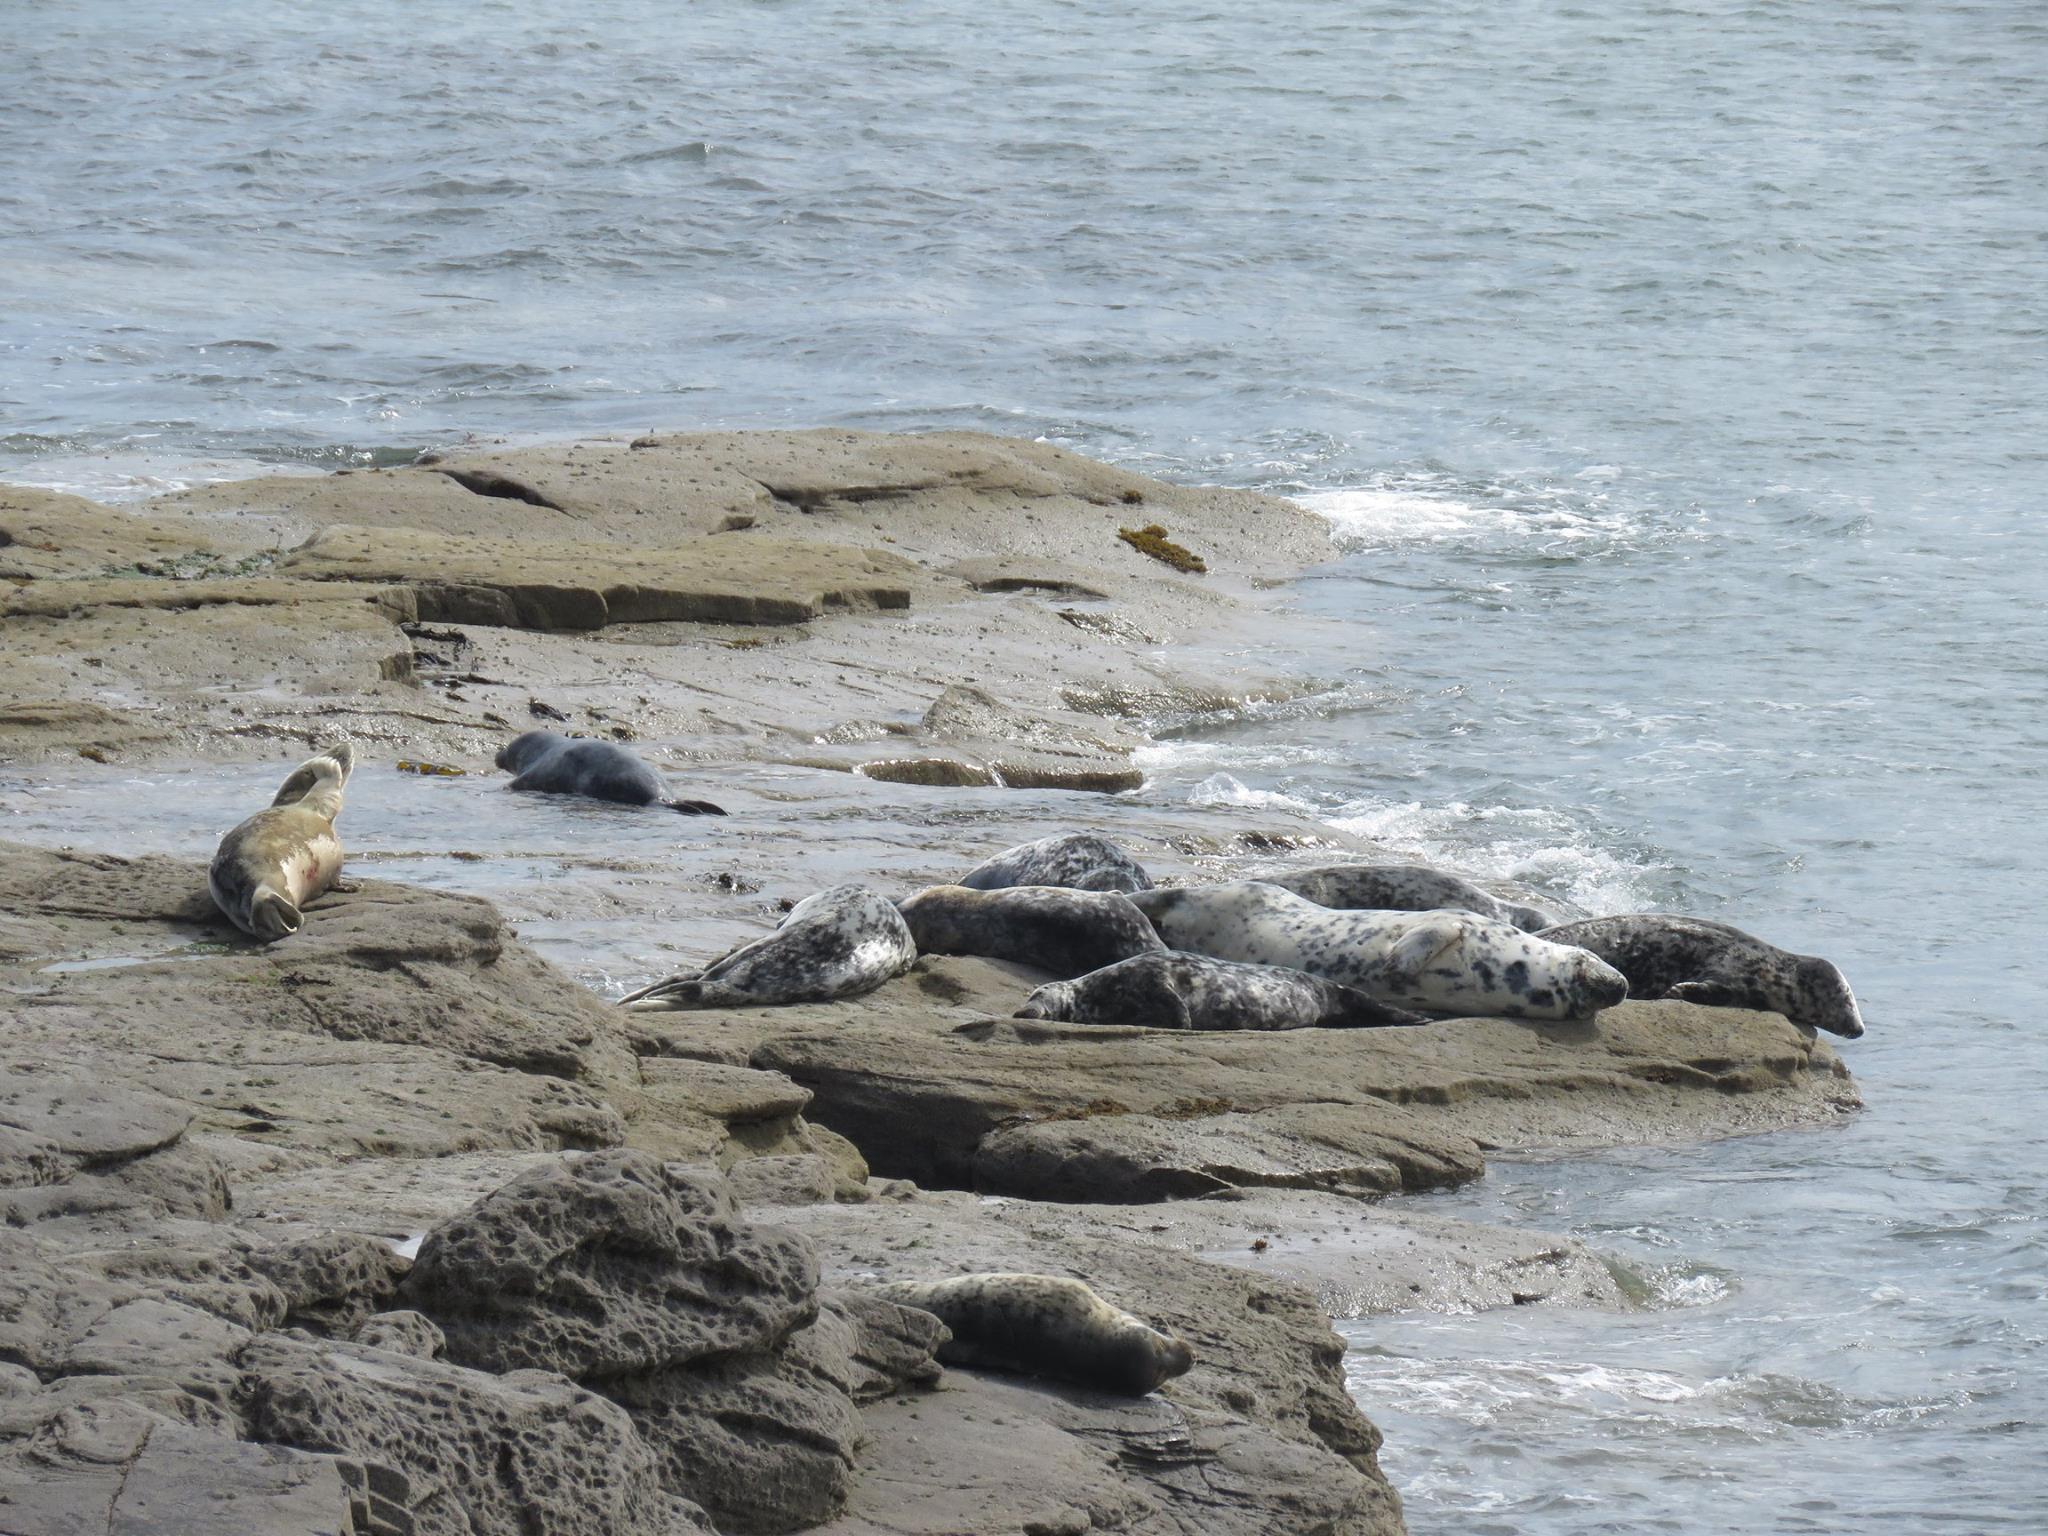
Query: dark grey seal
x=1045, y=1325
x=564, y=765
x=1441, y=961
x=1403, y=888
x=1066, y=932
x=841, y=942
x=1176, y=991
x=1080, y=861
x=1697, y=961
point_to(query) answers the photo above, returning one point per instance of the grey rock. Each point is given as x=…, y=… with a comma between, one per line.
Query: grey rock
x=606, y=1266
x=112, y=1468
x=332, y=1282
x=403, y=1333
x=473, y=1454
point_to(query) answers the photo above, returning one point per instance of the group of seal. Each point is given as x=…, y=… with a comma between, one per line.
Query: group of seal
x=1344, y=946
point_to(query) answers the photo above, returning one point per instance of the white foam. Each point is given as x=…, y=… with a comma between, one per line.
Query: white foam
x=1543, y=849
x=1225, y=789
x=126, y=476
x=1367, y=518
x=1375, y=518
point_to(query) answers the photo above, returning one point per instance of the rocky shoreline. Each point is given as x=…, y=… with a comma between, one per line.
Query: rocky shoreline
x=396, y=1227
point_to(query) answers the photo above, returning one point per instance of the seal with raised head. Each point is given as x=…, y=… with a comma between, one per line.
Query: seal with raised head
x=271, y=865
x=1698, y=961
x=1168, y=990
x=567, y=765
x=841, y=942
x=1442, y=962
x=1080, y=861
x=1066, y=932
x=1044, y=1325
x=1403, y=888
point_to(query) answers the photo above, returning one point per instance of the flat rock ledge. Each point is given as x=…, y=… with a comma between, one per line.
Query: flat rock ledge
x=754, y=587
x=933, y=1081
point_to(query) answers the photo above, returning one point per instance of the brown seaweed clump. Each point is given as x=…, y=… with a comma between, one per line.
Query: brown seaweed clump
x=1152, y=540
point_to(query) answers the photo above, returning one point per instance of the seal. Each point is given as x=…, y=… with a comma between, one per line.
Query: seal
x=1068, y=933
x=1697, y=961
x=1044, y=1325
x=841, y=942
x=564, y=765
x=1404, y=888
x=1175, y=991
x=1080, y=861
x=1441, y=962
x=271, y=865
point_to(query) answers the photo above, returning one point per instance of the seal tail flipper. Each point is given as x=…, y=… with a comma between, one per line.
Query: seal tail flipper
x=272, y=914
x=329, y=770
x=678, y=993
x=695, y=807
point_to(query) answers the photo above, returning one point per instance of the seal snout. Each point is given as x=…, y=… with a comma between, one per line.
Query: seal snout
x=1600, y=984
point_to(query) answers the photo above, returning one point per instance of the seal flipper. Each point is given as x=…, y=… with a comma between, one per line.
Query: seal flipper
x=690, y=807
x=1355, y=1010
x=1707, y=994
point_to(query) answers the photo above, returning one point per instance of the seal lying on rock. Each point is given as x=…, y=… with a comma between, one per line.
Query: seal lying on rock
x=1697, y=961
x=1043, y=1325
x=1404, y=888
x=841, y=942
x=271, y=865
x=563, y=765
x=1445, y=962
x=1175, y=991
x=1068, y=933
x=1080, y=861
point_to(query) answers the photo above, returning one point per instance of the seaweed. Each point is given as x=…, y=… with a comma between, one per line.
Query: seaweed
x=1152, y=540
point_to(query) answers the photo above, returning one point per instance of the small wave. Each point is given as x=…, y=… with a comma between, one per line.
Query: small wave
x=1544, y=850
x=1226, y=789
x=1380, y=517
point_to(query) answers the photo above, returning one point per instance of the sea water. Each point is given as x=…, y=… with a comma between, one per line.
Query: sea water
x=1671, y=376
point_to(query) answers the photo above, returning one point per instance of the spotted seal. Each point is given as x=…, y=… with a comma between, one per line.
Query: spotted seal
x=1080, y=861
x=565, y=765
x=272, y=864
x=1066, y=932
x=1442, y=962
x=1166, y=990
x=841, y=942
x=1697, y=961
x=1403, y=888
x=1044, y=1325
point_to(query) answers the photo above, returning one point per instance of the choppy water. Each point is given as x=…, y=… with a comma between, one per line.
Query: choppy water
x=1674, y=373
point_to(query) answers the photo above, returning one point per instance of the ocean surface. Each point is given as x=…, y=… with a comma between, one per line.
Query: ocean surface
x=1673, y=377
